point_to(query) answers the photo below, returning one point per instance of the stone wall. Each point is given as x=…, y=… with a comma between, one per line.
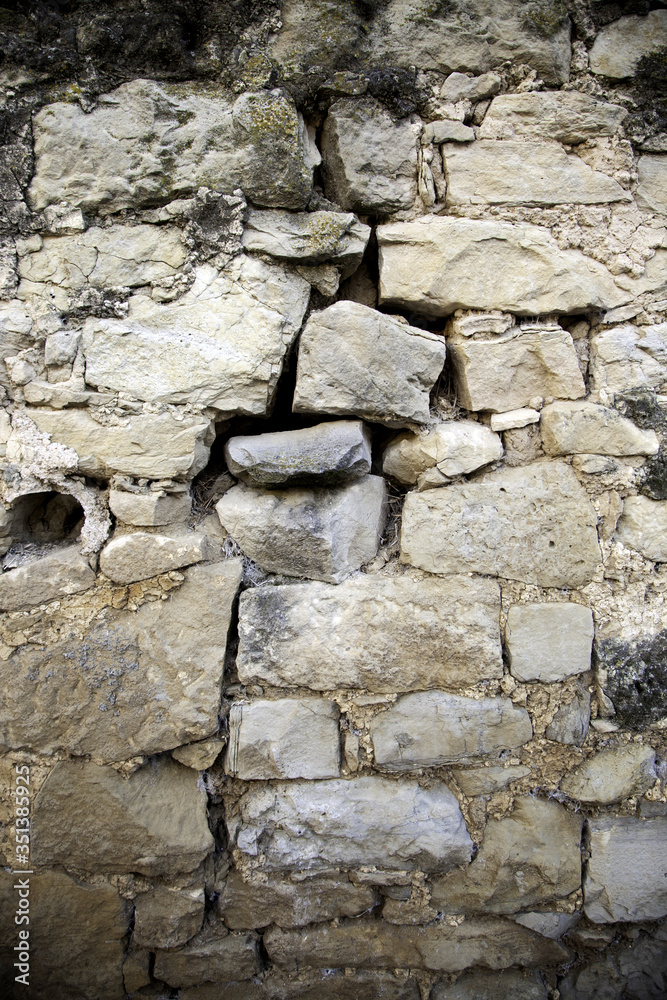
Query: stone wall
x=334, y=499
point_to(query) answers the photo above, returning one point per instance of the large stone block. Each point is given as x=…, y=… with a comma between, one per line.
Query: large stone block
x=323, y=534
x=643, y=526
x=434, y=728
x=629, y=357
x=307, y=238
x=533, y=524
x=620, y=46
x=355, y=360
x=214, y=955
x=549, y=642
x=586, y=428
x=612, y=775
x=379, y=633
x=55, y=575
x=310, y=825
x=652, y=172
x=141, y=555
x=566, y=116
x=625, y=877
x=91, y=817
x=449, y=449
x=436, y=265
x=129, y=684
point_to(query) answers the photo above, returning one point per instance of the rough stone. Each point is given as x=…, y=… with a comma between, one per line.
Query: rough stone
x=612, y=775
x=450, y=448
x=379, y=633
x=635, y=968
x=643, y=526
x=447, y=131
x=167, y=918
x=513, y=419
x=149, y=509
x=625, y=879
x=635, y=677
x=49, y=578
x=652, y=173
x=629, y=357
x=323, y=455
x=309, y=238
x=571, y=721
x=620, y=46
x=132, y=683
x=526, y=859
x=199, y=755
x=287, y=738
x=550, y=924
x=533, y=524
x=370, y=161
x=510, y=985
x=436, y=265
x=566, y=116
x=320, y=533
x=486, y=780
x=214, y=955
x=91, y=817
x=433, y=728
x=369, y=821
x=355, y=360
x=459, y=87
x=549, y=642
x=141, y=555
x=586, y=428
x=325, y=984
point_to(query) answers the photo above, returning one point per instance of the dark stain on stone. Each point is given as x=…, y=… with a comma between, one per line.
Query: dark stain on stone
x=636, y=678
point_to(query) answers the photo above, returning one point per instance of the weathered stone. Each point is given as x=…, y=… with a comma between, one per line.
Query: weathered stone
x=141, y=555
x=450, y=448
x=91, y=817
x=287, y=738
x=364, y=821
x=634, y=968
x=136, y=969
x=151, y=446
x=167, y=918
x=149, y=509
x=459, y=87
x=379, y=633
x=199, y=755
x=571, y=721
x=436, y=265
x=214, y=955
x=513, y=419
x=309, y=238
x=549, y=642
x=60, y=348
x=447, y=131
x=370, y=161
x=510, y=985
x=586, y=428
x=566, y=116
x=434, y=728
x=620, y=46
x=486, y=780
x=355, y=360
x=246, y=904
x=147, y=141
x=643, y=526
x=635, y=677
x=132, y=683
x=325, y=984
x=629, y=357
x=323, y=455
x=528, y=858
x=504, y=373
x=49, y=578
x=221, y=344
x=625, y=879
x=550, y=924
x=652, y=173
x=323, y=534
x=533, y=524
x=612, y=775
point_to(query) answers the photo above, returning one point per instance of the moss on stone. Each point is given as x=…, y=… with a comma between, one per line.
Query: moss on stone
x=636, y=678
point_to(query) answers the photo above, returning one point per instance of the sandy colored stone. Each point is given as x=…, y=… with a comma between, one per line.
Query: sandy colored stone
x=199, y=755
x=379, y=633
x=530, y=523
x=624, y=879
x=149, y=509
x=643, y=526
x=571, y=721
x=55, y=575
x=652, y=173
x=447, y=131
x=141, y=555
x=620, y=46
x=586, y=428
x=629, y=357
x=486, y=780
x=214, y=955
x=324, y=984
x=460, y=87
x=569, y=117
x=612, y=775
x=549, y=642
x=355, y=360
x=450, y=448
x=166, y=917
x=309, y=237
x=510, y=985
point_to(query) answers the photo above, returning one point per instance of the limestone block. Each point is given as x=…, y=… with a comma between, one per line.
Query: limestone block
x=378, y=633
x=528, y=858
x=60, y=348
x=49, y=578
x=127, y=684
x=214, y=955
x=501, y=374
x=287, y=738
x=459, y=87
x=510, y=985
x=370, y=161
x=566, y=116
x=486, y=780
x=438, y=264
x=221, y=344
x=166, y=917
x=531, y=523
x=447, y=130
x=571, y=721
x=586, y=428
x=490, y=172
x=652, y=173
x=322, y=534
x=513, y=419
x=91, y=817
x=323, y=455
x=310, y=825
x=624, y=880
x=629, y=357
x=643, y=526
x=200, y=755
x=141, y=555
x=146, y=142
x=274, y=900
x=151, y=446
x=451, y=448
x=620, y=46
x=549, y=642
x=150, y=509
x=309, y=237
x=433, y=728
x=355, y=360
x=612, y=775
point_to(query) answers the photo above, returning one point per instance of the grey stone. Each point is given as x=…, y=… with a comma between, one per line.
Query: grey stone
x=510, y=985
x=486, y=780
x=643, y=526
x=91, y=817
x=150, y=509
x=586, y=428
x=612, y=775
x=448, y=449
x=459, y=87
x=355, y=360
x=629, y=357
x=141, y=555
x=60, y=348
x=549, y=642
x=634, y=969
x=433, y=728
x=566, y=116
x=309, y=238
x=571, y=721
x=287, y=738
x=652, y=173
x=323, y=455
x=214, y=955
x=625, y=877
x=365, y=821
x=322, y=534
x=447, y=131
x=49, y=578
x=633, y=672
x=529, y=523
x=620, y=46
x=550, y=924
x=379, y=633
x=166, y=917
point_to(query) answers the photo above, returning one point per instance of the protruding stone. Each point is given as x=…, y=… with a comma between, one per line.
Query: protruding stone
x=620, y=46
x=213, y=955
x=308, y=238
x=549, y=642
x=612, y=775
x=166, y=917
x=629, y=357
x=199, y=755
x=49, y=578
x=150, y=509
x=567, y=116
x=447, y=131
x=643, y=526
x=141, y=555
x=652, y=172
x=571, y=721
x=480, y=985
x=486, y=780
x=586, y=428
x=459, y=87
x=633, y=672
x=450, y=448
x=625, y=879
x=550, y=924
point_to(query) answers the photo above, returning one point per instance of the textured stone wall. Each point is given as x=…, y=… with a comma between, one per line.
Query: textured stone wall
x=333, y=515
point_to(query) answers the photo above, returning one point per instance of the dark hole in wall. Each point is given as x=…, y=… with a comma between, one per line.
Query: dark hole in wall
x=45, y=518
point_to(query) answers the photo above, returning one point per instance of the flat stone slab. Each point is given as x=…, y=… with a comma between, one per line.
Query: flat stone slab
x=449, y=449
x=624, y=879
x=652, y=190
x=379, y=633
x=49, y=578
x=643, y=526
x=566, y=116
x=612, y=775
x=150, y=509
x=307, y=237
x=586, y=428
x=549, y=642
x=141, y=555
x=510, y=985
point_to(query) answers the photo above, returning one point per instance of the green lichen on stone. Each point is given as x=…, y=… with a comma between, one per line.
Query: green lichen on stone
x=544, y=17
x=636, y=673
x=272, y=119
x=324, y=233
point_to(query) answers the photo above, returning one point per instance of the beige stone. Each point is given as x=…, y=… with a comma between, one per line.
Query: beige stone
x=166, y=917
x=629, y=357
x=571, y=721
x=530, y=523
x=643, y=526
x=214, y=955
x=450, y=448
x=447, y=131
x=49, y=578
x=620, y=46
x=149, y=509
x=379, y=633
x=623, y=879
x=566, y=116
x=141, y=555
x=459, y=87
x=310, y=237
x=586, y=428
x=510, y=985
x=612, y=775
x=652, y=173
x=486, y=780
x=199, y=755
x=549, y=642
